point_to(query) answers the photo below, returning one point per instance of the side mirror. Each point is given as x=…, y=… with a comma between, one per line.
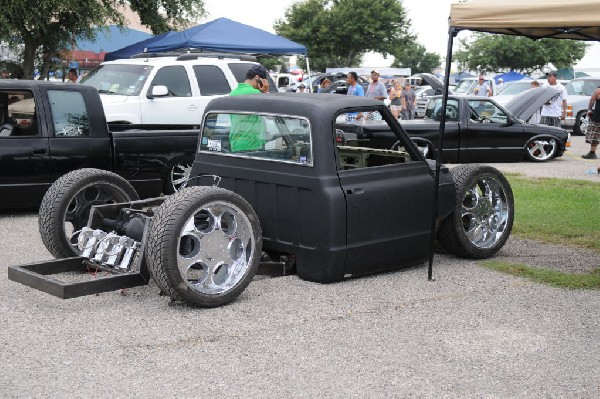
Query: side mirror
x=158, y=91
x=425, y=147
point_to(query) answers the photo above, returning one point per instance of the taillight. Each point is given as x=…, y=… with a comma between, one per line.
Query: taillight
x=569, y=110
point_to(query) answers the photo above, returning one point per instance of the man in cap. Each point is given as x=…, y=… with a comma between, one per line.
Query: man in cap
x=376, y=88
x=554, y=110
x=247, y=132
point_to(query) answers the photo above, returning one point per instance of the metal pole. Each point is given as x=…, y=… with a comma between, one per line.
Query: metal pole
x=308, y=70
x=438, y=160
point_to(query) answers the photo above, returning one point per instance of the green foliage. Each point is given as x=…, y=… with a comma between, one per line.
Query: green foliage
x=272, y=63
x=497, y=53
x=52, y=26
x=550, y=277
x=557, y=210
x=414, y=56
x=337, y=33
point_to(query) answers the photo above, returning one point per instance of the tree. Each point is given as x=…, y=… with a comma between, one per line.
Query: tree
x=498, y=53
x=271, y=63
x=337, y=33
x=52, y=26
x=414, y=56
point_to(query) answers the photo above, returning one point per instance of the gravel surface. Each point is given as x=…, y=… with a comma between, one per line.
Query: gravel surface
x=471, y=333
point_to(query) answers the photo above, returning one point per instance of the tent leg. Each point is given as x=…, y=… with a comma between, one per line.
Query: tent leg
x=438, y=160
x=309, y=79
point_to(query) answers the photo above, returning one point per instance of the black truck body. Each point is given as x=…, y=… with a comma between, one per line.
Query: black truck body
x=49, y=129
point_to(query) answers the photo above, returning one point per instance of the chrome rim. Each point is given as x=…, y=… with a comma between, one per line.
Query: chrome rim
x=215, y=248
x=584, y=124
x=180, y=174
x=78, y=210
x=485, y=212
x=542, y=149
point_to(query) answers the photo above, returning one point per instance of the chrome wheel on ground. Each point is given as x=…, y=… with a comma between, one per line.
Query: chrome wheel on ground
x=483, y=214
x=204, y=246
x=541, y=149
x=582, y=124
x=178, y=176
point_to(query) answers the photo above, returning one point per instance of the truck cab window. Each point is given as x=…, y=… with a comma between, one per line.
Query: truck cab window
x=211, y=80
x=17, y=114
x=69, y=114
x=175, y=78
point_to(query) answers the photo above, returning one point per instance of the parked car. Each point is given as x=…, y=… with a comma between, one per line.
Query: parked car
x=465, y=86
x=579, y=91
x=511, y=89
x=341, y=87
x=478, y=129
x=166, y=90
x=432, y=86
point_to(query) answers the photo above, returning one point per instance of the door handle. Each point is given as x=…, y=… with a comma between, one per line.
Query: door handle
x=357, y=190
x=193, y=107
x=39, y=151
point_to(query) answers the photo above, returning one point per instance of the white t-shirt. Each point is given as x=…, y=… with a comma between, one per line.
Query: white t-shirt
x=555, y=106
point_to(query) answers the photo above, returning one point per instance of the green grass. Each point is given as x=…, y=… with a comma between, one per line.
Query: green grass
x=550, y=277
x=557, y=211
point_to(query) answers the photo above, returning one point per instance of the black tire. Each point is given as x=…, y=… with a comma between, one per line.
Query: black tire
x=66, y=206
x=190, y=223
x=577, y=129
x=541, y=149
x=483, y=215
x=177, y=177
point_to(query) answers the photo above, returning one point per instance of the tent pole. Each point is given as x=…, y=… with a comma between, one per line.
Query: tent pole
x=438, y=159
x=308, y=69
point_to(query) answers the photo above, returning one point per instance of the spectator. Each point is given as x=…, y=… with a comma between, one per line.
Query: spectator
x=72, y=76
x=409, y=101
x=554, y=110
x=500, y=83
x=482, y=89
x=395, y=99
x=592, y=136
x=325, y=83
x=376, y=88
x=535, y=118
x=354, y=89
x=301, y=88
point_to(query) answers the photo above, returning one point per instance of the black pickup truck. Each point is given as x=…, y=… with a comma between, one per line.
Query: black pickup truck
x=49, y=129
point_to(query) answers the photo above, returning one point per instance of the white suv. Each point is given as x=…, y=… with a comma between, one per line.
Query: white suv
x=166, y=90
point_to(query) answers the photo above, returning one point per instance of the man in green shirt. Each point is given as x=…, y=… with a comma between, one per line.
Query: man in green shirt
x=248, y=131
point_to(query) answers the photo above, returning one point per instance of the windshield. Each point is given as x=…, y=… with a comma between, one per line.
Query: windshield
x=582, y=87
x=516, y=88
x=122, y=79
x=463, y=86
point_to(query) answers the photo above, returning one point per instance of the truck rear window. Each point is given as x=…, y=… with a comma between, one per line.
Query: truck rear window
x=262, y=136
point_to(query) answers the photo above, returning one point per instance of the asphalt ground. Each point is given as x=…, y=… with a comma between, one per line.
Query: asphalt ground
x=471, y=333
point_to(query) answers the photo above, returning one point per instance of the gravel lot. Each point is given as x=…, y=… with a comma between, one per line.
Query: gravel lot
x=470, y=333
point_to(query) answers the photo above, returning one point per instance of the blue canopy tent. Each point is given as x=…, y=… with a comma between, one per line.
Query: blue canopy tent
x=510, y=76
x=226, y=35
x=135, y=48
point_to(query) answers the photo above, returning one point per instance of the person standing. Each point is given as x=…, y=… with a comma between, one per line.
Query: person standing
x=409, y=101
x=535, y=118
x=554, y=110
x=72, y=76
x=354, y=89
x=482, y=89
x=325, y=83
x=592, y=136
x=376, y=88
x=395, y=99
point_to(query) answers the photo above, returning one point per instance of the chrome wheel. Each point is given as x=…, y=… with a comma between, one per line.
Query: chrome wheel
x=179, y=175
x=541, y=149
x=485, y=212
x=215, y=248
x=584, y=124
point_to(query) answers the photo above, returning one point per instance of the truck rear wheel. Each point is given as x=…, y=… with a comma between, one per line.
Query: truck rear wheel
x=66, y=206
x=483, y=215
x=204, y=246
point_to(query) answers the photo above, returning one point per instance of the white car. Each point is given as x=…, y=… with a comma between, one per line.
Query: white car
x=579, y=91
x=170, y=91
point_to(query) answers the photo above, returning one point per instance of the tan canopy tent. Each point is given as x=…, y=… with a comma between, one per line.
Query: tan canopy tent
x=536, y=19
x=559, y=19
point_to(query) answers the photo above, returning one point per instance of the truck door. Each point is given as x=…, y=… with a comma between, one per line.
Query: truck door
x=24, y=167
x=389, y=199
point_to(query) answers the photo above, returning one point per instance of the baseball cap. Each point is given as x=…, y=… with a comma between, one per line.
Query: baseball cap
x=553, y=73
x=375, y=71
x=259, y=70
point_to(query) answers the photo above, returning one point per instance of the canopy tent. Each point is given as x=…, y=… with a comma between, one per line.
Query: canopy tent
x=111, y=38
x=510, y=76
x=536, y=19
x=226, y=35
x=135, y=48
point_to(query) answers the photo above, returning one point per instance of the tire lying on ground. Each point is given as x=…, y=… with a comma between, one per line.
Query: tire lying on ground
x=204, y=246
x=483, y=216
x=66, y=206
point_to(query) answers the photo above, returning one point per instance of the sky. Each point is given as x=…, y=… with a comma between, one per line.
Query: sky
x=429, y=22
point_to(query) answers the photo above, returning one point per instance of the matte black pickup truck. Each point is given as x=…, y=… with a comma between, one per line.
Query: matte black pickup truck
x=49, y=129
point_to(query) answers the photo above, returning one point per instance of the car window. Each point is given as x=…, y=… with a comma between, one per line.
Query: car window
x=365, y=139
x=120, y=79
x=239, y=70
x=17, y=114
x=211, y=80
x=582, y=87
x=482, y=111
x=259, y=136
x=434, y=109
x=175, y=78
x=69, y=114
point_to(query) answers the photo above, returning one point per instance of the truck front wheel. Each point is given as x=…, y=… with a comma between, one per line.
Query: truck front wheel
x=66, y=206
x=204, y=246
x=483, y=215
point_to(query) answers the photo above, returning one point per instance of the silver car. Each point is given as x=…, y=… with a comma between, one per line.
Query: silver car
x=579, y=91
